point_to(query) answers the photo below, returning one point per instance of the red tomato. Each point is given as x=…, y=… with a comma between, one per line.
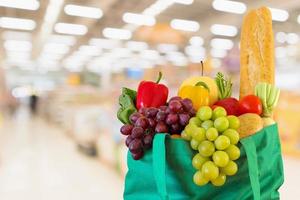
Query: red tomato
x=214, y=106
x=250, y=104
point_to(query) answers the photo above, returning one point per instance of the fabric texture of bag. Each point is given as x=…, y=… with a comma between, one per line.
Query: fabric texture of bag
x=166, y=172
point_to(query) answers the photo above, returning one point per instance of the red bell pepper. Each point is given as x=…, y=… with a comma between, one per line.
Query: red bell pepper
x=151, y=94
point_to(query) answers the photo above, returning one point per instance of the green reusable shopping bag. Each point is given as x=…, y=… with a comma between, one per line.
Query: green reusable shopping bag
x=166, y=172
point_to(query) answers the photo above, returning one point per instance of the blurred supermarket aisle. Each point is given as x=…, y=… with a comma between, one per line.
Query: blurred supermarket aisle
x=38, y=162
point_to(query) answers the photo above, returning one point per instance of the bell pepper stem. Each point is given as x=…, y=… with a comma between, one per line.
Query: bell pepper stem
x=202, y=84
x=202, y=67
x=159, y=77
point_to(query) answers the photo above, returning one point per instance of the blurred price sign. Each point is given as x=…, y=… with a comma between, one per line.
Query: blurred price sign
x=135, y=73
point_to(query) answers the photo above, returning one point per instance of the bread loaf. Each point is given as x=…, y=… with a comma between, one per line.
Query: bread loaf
x=250, y=124
x=257, y=50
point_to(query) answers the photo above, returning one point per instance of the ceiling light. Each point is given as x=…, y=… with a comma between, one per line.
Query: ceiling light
x=196, y=41
x=194, y=51
x=46, y=63
x=224, y=30
x=21, y=4
x=18, y=55
x=185, y=25
x=180, y=61
x=76, y=59
x=83, y=11
x=89, y=50
x=229, y=6
x=185, y=2
x=52, y=12
x=103, y=61
x=17, y=23
x=280, y=37
x=45, y=68
x=21, y=92
x=149, y=54
x=121, y=52
x=104, y=43
x=74, y=67
x=158, y=7
x=218, y=53
x=73, y=61
x=279, y=14
x=56, y=48
x=50, y=17
x=17, y=45
x=139, y=19
x=80, y=59
x=175, y=53
x=63, y=39
x=16, y=35
x=51, y=56
x=164, y=48
x=136, y=46
x=115, y=33
x=71, y=29
x=292, y=38
x=196, y=59
x=218, y=43
x=177, y=58
x=22, y=64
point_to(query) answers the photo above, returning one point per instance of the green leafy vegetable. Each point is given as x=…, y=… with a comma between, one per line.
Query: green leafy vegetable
x=127, y=105
x=131, y=93
x=224, y=86
x=269, y=96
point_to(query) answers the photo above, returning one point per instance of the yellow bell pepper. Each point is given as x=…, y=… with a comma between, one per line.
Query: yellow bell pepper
x=210, y=82
x=199, y=94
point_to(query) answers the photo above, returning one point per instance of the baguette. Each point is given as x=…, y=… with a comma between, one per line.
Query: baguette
x=257, y=50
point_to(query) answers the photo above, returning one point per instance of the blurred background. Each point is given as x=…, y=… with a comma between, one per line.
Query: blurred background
x=63, y=62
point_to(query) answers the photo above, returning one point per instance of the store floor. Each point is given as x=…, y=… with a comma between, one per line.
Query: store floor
x=38, y=162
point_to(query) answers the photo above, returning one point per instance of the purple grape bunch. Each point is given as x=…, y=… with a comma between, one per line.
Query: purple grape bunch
x=170, y=118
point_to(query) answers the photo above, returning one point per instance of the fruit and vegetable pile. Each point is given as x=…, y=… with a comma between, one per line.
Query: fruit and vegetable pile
x=205, y=113
x=211, y=120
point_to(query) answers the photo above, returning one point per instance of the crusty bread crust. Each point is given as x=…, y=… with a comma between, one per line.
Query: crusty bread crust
x=257, y=50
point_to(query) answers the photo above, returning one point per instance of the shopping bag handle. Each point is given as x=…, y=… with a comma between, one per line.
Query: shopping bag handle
x=251, y=154
x=159, y=164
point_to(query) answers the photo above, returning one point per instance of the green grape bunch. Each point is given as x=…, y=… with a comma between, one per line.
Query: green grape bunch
x=214, y=136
